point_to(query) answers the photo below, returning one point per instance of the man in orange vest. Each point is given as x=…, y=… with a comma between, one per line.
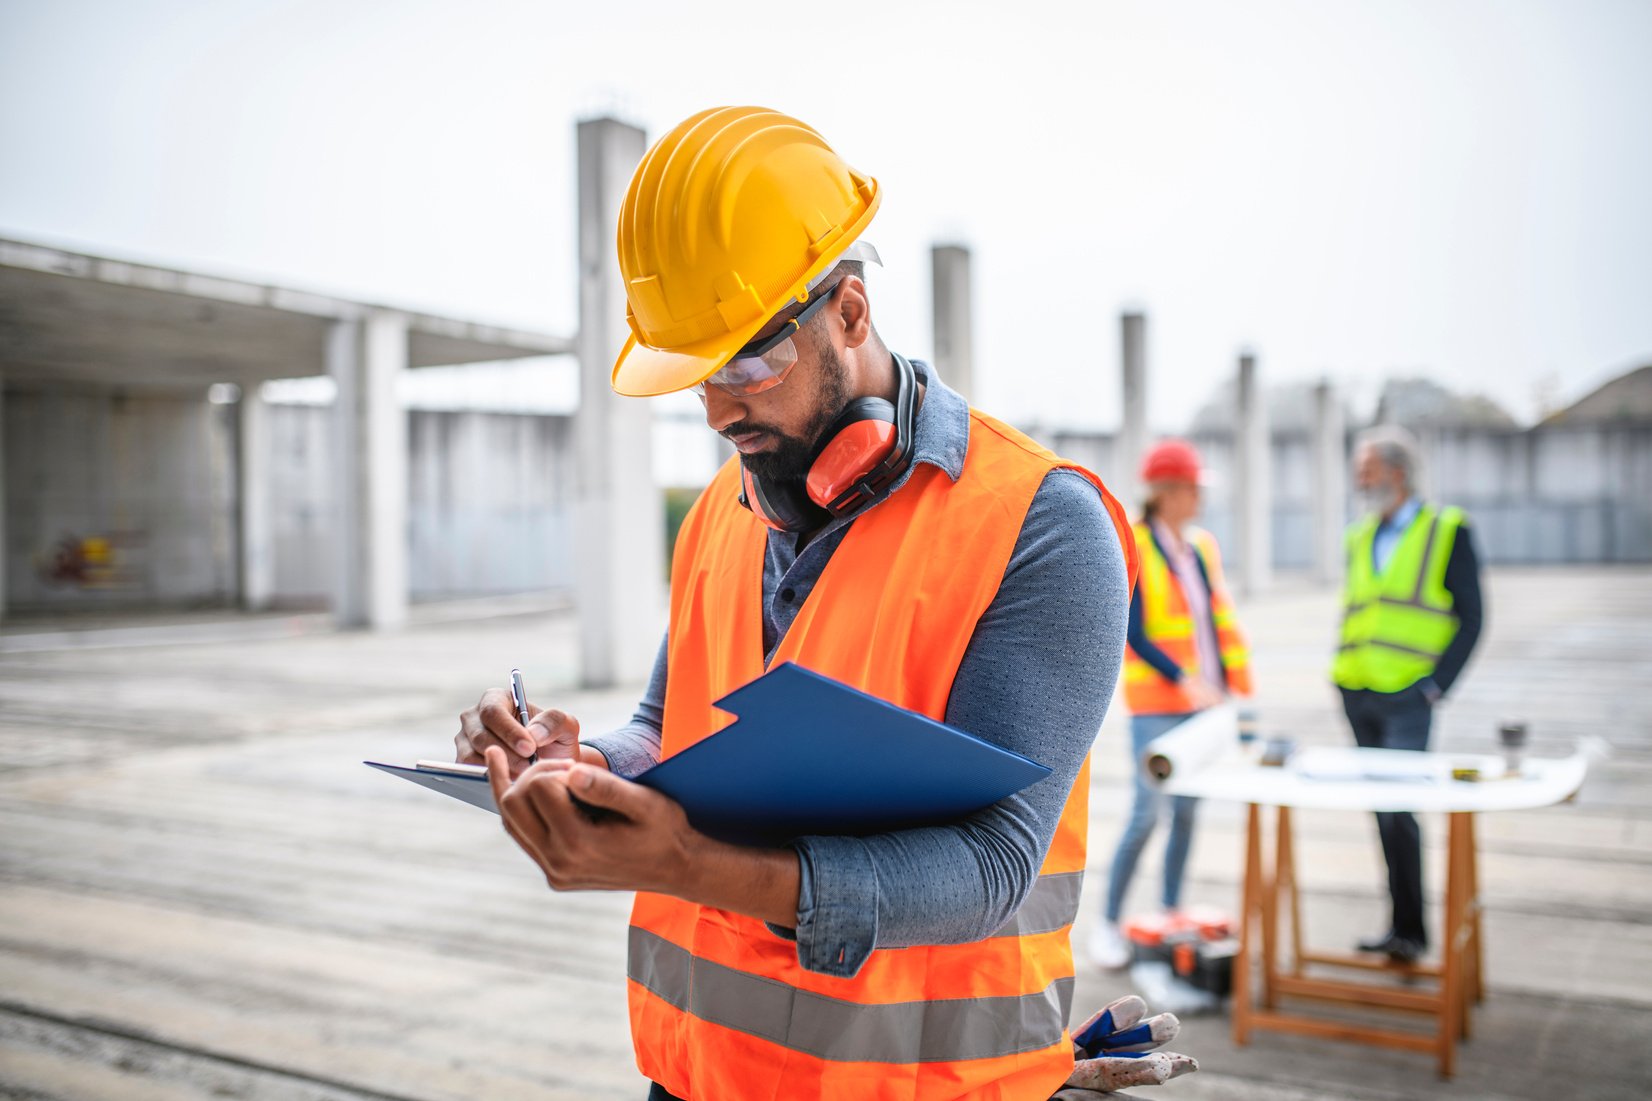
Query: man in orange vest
x=876, y=529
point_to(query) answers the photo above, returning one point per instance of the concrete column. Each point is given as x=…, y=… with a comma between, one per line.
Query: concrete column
x=364, y=358
x=619, y=556
x=1252, y=496
x=1132, y=437
x=954, y=338
x=257, y=529
x=1330, y=484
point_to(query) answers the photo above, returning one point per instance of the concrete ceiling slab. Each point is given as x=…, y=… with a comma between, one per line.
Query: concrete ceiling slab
x=70, y=317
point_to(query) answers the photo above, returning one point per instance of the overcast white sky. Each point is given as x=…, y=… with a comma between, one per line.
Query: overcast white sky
x=1451, y=188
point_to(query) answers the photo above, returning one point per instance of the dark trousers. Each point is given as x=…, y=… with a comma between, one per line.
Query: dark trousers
x=657, y=1092
x=1396, y=720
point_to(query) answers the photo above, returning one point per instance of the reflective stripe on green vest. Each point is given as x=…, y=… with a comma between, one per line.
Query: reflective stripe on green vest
x=1395, y=625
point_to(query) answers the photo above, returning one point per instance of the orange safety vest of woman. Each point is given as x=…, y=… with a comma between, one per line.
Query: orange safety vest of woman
x=1173, y=467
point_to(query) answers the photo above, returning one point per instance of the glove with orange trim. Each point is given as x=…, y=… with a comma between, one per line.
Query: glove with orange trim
x=1114, y=1051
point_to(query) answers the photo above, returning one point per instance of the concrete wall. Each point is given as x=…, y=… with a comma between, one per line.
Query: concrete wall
x=1290, y=474
x=488, y=504
x=1547, y=495
x=490, y=499
x=129, y=499
x=300, y=441
x=117, y=499
x=1097, y=451
x=1562, y=494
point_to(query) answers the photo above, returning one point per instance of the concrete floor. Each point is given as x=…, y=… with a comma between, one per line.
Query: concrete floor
x=204, y=894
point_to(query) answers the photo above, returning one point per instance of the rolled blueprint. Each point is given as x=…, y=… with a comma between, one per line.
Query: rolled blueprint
x=1191, y=745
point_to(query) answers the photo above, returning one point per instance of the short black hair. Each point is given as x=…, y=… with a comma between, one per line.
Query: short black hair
x=847, y=268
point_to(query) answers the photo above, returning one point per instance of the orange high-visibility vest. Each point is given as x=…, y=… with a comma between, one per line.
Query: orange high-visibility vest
x=721, y=1009
x=1169, y=625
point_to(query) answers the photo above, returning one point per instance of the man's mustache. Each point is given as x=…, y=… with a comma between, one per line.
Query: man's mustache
x=746, y=428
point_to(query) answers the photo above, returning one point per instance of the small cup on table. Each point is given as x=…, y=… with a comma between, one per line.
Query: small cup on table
x=1512, y=737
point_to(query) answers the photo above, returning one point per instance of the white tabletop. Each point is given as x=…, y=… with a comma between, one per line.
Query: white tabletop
x=1350, y=778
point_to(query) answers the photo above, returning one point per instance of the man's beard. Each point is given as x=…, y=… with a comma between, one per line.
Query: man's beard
x=1379, y=499
x=789, y=462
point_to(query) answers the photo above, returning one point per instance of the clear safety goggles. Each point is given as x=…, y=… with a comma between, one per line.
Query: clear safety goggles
x=764, y=364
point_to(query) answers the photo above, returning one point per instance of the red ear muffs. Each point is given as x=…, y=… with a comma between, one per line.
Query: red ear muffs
x=858, y=457
x=851, y=448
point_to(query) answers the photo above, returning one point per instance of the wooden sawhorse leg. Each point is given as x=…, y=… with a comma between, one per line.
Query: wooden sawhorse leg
x=1250, y=899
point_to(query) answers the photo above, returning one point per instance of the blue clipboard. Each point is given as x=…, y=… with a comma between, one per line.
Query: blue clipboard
x=810, y=755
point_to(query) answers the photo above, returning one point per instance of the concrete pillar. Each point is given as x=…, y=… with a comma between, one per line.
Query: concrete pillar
x=1132, y=437
x=364, y=358
x=954, y=339
x=257, y=529
x=1252, y=498
x=619, y=557
x=1330, y=484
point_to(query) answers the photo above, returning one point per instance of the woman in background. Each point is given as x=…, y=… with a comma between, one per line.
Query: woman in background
x=1186, y=653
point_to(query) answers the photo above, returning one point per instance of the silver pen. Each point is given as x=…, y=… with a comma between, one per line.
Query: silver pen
x=520, y=695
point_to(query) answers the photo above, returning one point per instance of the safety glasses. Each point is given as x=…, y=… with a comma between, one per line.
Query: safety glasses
x=764, y=364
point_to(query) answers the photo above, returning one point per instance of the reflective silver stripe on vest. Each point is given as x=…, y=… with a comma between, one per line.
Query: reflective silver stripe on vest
x=1415, y=600
x=1428, y=558
x=941, y=1031
x=1052, y=904
x=1435, y=654
x=1418, y=603
x=1396, y=602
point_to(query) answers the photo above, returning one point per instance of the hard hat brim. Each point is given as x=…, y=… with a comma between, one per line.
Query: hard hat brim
x=1203, y=479
x=644, y=372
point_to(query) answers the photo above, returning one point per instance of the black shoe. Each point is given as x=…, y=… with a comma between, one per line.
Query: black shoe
x=1401, y=949
x=1378, y=944
x=1406, y=950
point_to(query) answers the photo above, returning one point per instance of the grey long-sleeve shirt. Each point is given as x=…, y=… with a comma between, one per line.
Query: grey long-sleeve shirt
x=1036, y=678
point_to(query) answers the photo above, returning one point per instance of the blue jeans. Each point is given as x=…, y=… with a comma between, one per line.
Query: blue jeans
x=1144, y=815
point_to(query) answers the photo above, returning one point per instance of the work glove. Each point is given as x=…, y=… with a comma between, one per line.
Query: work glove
x=1113, y=1051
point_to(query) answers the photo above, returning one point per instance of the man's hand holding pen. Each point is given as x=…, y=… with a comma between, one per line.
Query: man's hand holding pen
x=589, y=830
x=550, y=734
x=524, y=734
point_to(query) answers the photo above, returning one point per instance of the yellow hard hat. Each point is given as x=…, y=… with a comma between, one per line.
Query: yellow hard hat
x=729, y=216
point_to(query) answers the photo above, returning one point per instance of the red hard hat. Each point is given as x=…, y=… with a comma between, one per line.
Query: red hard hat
x=1172, y=461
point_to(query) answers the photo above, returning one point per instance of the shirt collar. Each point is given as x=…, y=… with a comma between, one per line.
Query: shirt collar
x=1168, y=540
x=940, y=429
x=1403, y=515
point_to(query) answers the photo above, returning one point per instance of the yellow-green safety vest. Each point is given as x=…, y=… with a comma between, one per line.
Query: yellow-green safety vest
x=1397, y=624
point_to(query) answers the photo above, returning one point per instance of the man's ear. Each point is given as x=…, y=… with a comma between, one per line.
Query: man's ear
x=855, y=311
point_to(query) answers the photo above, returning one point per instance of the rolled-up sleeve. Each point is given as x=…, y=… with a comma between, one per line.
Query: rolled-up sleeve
x=1037, y=678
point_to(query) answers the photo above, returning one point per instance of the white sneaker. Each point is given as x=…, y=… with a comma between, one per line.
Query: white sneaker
x=1108, y=948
